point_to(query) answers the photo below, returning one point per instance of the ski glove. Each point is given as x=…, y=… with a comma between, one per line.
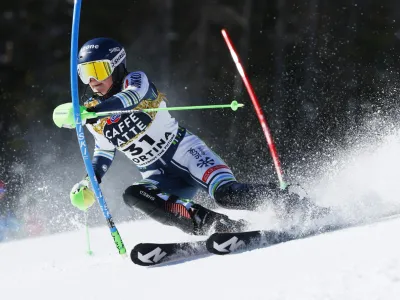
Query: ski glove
x=63, y=116
x=82, y=197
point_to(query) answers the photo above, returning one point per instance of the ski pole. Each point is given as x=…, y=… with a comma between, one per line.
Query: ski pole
x=257, y=107
x=79, y=129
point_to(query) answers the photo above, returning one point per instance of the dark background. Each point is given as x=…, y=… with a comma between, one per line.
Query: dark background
x=321, y=69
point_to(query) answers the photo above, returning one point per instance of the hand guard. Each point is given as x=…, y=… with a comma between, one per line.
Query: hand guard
x=82, y=197
x=63, y=115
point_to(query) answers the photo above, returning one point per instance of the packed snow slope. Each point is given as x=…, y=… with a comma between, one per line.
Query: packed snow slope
x=357, y=263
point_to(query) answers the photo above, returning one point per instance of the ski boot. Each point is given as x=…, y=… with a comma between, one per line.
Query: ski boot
x=292, y=203
x=208, y=221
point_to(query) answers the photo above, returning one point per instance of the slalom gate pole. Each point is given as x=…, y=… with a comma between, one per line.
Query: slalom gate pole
x=89, y=250
x=257, y=107
x=233, y=105
x=64, y=113
x=79, y=129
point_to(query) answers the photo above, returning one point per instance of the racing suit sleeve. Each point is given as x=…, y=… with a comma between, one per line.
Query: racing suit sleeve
x=137, y=87
x=103, y=155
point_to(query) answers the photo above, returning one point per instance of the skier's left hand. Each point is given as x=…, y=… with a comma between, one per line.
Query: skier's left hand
x=82, y=197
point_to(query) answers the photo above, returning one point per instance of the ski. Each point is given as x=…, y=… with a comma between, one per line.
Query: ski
x=226, y=243
x=150, y=254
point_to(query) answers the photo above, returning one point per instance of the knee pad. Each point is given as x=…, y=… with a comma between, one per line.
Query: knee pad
x=139, y=195
x=147, y=200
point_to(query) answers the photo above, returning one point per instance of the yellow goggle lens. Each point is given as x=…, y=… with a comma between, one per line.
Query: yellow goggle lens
x=98, y=70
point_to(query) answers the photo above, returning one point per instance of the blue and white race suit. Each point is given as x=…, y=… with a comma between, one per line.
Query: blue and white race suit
x=167, y=155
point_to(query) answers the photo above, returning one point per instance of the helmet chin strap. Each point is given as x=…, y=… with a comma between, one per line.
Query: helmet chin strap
x=114, y=88
x=111, y=91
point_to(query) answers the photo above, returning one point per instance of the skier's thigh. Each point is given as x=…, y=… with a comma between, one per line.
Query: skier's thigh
x=204, y=167
x=163, y=207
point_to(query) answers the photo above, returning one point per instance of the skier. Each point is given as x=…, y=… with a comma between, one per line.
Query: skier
x=174, y=163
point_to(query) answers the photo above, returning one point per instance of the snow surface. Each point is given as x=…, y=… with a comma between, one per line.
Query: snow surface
x=358, y=263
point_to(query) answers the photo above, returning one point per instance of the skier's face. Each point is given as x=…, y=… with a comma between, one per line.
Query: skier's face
x=101, y=87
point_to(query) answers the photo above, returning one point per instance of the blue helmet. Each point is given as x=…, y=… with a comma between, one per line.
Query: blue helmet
x=106, y=50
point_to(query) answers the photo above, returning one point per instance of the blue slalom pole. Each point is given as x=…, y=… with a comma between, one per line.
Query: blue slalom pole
x=79, y=128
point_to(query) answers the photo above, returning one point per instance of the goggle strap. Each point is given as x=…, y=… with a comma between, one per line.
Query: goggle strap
x=118, y=58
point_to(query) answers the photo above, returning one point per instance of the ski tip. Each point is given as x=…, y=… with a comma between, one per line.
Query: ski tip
x=147, y=254
x=135, y=259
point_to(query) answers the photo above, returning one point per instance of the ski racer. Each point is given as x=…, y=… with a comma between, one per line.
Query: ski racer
x=174, y=162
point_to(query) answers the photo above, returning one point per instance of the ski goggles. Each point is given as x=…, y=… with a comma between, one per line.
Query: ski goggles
x=2, y=190
x=99, y=69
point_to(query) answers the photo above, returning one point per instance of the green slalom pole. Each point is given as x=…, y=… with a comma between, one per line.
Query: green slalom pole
x=234, y=105
x=63, y=115
x=89, y=250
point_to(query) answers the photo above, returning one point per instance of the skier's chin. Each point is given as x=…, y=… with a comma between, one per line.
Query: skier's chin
x=99, y=92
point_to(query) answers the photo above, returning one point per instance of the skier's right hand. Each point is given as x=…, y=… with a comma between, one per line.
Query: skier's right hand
x=63, y=115
x=82, y=197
